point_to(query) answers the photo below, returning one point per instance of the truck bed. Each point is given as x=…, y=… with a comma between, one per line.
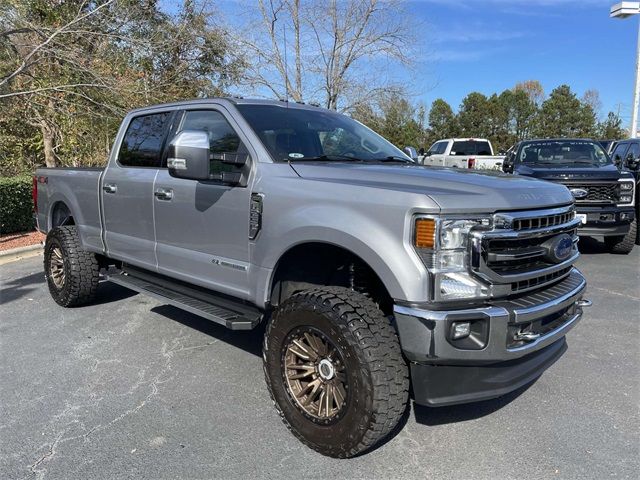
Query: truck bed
x=77, y=187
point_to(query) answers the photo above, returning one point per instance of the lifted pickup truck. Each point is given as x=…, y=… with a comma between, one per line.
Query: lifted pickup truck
x=604, y=194
x=366, y=267
x=474, y=153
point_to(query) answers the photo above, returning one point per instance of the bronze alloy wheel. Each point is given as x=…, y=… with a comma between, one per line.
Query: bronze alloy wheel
x=314, y=374
x=56, y=267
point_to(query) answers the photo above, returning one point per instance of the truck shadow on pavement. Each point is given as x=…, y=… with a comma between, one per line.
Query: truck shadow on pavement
x=248, y=340
x=17, y=288
x=251, y=342
x=591, y=245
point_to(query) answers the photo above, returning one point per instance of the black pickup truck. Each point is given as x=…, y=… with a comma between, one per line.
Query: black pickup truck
x=604, y=195
x=626, y=155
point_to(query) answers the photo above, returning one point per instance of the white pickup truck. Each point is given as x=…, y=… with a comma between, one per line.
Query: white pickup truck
x=476, y=153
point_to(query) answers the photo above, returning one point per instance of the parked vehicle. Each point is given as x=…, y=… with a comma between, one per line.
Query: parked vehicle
x=365, y=266
x=626, y=155
x=604, y=195
x=474, y=153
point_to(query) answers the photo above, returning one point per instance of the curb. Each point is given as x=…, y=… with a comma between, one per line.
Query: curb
x=19, y=253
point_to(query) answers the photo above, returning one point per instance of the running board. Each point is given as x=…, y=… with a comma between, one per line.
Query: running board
x=231, y=314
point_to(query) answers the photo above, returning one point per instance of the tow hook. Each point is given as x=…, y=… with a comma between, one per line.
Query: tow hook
x=584, y=303
x=526, y=336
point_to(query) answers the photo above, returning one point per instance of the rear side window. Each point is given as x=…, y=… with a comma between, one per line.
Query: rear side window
x=470, y=147
x=142, y=144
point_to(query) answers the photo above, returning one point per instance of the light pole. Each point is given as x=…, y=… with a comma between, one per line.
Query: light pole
x=624, y=10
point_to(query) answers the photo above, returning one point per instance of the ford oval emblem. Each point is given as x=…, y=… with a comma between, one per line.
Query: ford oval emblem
x=558, y=248
x=578, y=192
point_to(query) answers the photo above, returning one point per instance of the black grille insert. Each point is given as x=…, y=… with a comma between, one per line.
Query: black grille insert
x=597, y=192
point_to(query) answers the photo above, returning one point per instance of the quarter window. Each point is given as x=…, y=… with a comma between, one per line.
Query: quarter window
x=142, y=143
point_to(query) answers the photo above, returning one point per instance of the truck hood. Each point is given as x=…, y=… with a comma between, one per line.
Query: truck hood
x=558, y=174
x=454, y=190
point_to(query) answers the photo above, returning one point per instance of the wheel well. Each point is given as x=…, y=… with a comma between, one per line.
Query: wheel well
x=312, y=264
x=61, y=215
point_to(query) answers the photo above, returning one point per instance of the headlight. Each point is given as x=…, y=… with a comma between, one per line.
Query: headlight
x=442, y=244
x=625, y=193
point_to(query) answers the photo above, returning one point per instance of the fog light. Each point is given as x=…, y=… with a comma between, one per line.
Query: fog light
x=624, y=216
x=460, y=330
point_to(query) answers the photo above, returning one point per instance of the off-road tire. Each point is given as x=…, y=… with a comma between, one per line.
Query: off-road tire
x=623, y=244
x=81, y=270
x=374, y=366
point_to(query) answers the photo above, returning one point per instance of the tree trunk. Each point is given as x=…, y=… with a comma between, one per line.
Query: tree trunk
x=48, y=139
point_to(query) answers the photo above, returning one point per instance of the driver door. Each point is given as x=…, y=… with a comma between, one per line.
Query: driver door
x=202, y=227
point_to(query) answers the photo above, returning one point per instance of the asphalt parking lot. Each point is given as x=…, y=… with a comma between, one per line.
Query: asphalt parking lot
x=128, y=388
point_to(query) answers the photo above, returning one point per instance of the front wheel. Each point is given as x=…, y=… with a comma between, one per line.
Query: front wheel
x=335, y=371
x=72, y=273
x=623, y=244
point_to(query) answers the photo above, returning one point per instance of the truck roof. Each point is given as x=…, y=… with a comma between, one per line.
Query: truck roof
x=470, y=139
x=234, y=101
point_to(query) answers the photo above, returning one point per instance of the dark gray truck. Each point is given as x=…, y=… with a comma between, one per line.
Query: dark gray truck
x=377, y=278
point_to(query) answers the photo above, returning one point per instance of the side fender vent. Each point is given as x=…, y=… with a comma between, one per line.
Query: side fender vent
x=255, y=215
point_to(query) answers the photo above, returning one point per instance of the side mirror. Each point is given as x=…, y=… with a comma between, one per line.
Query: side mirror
x=411, y=153
x=632, y=163
x=507, y=165
x=188, y=155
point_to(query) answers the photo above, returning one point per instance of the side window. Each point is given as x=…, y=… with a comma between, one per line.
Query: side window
x=634, y=150
x=618, y=153
x=142, y=143
x=443, y=147
x=222, y=137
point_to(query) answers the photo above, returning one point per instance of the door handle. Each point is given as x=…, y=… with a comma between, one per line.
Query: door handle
x=110, y=187
x=163, y=194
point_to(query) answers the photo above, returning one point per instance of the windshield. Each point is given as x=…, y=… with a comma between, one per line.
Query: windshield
x=296, y=134
x=563, y=153
x=471, y=147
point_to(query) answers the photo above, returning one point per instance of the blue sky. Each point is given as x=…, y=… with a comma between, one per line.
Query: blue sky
x=489, y=45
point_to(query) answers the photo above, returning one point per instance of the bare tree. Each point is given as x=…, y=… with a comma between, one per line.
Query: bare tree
x=336, y=53
x=73, y=67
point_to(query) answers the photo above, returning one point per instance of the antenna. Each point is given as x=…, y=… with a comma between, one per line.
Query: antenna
x=286, y=66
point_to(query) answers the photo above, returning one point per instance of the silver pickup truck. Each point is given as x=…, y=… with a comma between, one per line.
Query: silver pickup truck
x=375, y=277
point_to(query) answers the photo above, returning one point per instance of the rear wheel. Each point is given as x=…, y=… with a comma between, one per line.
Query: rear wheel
x=72, y=273
x=335, y=370
x=623, y=244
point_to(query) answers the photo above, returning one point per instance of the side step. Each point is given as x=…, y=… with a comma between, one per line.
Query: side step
x=227, y=312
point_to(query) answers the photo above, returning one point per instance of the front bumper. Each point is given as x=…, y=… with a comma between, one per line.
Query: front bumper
x=605, y=221
x=498, y=362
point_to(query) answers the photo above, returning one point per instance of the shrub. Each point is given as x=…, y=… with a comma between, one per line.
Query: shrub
x=16, y=204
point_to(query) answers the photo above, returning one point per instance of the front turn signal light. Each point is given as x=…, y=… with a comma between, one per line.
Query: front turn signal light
x=425, y=236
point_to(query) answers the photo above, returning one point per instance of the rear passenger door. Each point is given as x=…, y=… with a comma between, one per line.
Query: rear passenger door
x=127, y=190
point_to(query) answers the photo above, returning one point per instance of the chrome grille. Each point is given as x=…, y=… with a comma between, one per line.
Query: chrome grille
x=596, y=192
x=513, y=258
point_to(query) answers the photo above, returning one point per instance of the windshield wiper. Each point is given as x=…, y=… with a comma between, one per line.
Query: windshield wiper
x=392, y=158
x=326, y=158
